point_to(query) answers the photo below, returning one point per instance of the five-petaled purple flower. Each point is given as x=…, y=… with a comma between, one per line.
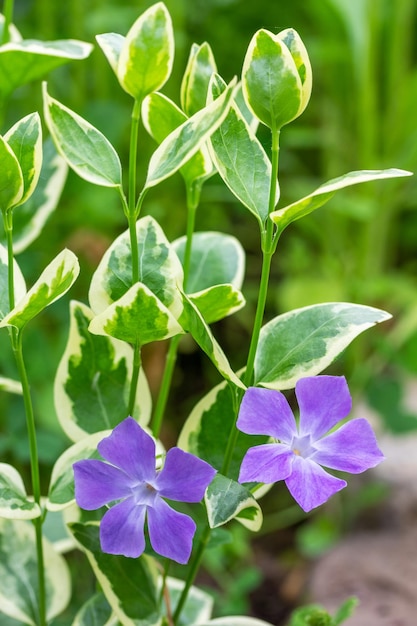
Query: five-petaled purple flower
x=129, y=477
x=302, y=450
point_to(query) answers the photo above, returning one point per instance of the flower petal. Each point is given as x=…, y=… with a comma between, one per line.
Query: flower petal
x=184, y=477
x=310, y=485
x=352, y=448
x=170, y=532
x=266, y=463
x=121, y=529
x=98, y=483
x=130, y=448
x=323, y=402
x=266, y=412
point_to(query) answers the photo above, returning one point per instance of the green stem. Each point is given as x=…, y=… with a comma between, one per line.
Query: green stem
x=137, y=362
x=268, y=249
x=34, y=465
x=8, y=19
x=192, y=573
x=132, y=212
x=171, y=358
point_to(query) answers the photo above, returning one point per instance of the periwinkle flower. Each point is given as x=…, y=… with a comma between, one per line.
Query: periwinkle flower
x=304, y=448
x=128, y=479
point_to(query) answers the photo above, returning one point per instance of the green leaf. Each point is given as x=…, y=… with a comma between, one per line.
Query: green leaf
x=14, y=503
x=197, y=607
x=19, y=578
x=130, y=585
x=216, y=259
x=24, y=61
x=241, y=160
x=161, y=117
x=95, y=612
x=92, y=383
x=201, y=66
x=187, y=139
x=322, y=194
x=305, y=341
x=32, y=215
x=84, y=147
x=159, y=268
x=138, y=317
x=193, y=322
x=11, y=180
x=146, y=57
x=207, y=428
x=25, y=139
x=19, y=282
x=217, y=302
x=276, y=77
x=226, y=499
x=61, y=488
x=53, y=283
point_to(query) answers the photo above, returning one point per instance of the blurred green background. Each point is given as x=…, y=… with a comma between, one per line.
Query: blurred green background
x=361, y=247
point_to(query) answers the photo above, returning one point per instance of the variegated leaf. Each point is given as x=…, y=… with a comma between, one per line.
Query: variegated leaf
x=14, y=502
x=11, y=180
x=147, y=54
x=53, y=283
x=19, y=590
x=226, y=499
x=92, y=383
x=138, y=317
x=130, y=585
x=25, y=139
x=19, y=282
x=87, y=151
x=217, y=302
x=201, y=66
x=187, y=139
x=300, y=208
x=305, y=341
x=159, y=268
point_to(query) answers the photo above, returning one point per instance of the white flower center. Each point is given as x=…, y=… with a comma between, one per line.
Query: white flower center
x=144, y=493
x=302, y=446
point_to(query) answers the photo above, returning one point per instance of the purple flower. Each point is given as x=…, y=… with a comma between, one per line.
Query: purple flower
x=302, y=449
x=130, y=478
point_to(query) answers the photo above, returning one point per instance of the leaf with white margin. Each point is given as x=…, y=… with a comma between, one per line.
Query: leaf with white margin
x=198, y=605
x=61, y=488
x=138, y=317
x=217, y=302
x=235, y=620
x=130, y=585
x=304, y=206
x=96, y=612
x=19, y=589
x=11, y=386
x=11, y=180
x=159, y=268
x=161, y=117
x=19, y=282
x=32, y=215
x=111, y=44
x=193, y=322
x=216, y=258
x=92, y=383
x=147, y=55
x=87, y=151
x=56, y=279
x=187, y=139
x=227, y=499
x=31, y=59
x=14, y=503
x=305, y=341
x=201, y=65
x=25, y=139
x=241, y=160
